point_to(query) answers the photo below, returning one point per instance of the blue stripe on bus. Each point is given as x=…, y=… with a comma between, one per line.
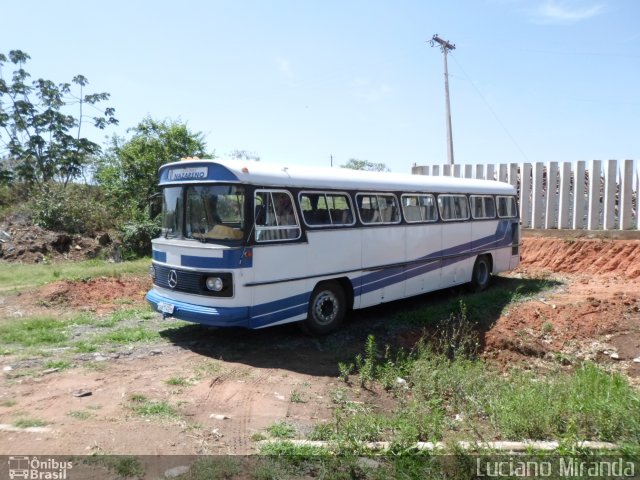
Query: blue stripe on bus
x=231, y=259
x=278, y=310
x=159, y=256
x=280, y=315
x=212, y=316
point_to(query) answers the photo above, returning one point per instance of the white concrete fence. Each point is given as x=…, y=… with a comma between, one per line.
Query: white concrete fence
x=563, y=195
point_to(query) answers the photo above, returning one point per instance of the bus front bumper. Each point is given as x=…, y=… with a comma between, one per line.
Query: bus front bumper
x=211, y=316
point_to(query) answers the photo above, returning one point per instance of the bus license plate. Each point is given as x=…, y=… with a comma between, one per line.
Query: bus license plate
x=165, y=307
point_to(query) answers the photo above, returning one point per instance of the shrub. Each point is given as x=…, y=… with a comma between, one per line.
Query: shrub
x=137, y=236
x=73, y=209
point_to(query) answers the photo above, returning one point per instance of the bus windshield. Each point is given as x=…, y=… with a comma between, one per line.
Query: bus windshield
x=204, y=212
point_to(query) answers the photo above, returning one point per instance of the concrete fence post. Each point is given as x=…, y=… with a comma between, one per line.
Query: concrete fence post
x=595, y=178
x=490, y=172
x=525, y=194
x=537, y=211
x=626, y=194
x=565, y=183
x=610, y=194
x=578, y=195
x=550, y=220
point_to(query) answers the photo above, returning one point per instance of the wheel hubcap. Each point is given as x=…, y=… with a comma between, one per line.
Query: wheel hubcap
x=325, y=308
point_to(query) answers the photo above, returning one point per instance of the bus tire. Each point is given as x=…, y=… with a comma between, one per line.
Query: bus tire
x=327, y=309
x=481, y=276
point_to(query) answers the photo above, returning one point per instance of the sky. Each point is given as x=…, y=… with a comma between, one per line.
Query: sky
x=300, y=82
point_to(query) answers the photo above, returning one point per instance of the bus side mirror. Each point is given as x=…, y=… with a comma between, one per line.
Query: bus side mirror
x=155, y=205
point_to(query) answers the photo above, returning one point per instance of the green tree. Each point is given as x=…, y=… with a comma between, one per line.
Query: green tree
x=129, y=168
x=355, y=164
x=6, y=177
x=128, y=173
x=39, y=136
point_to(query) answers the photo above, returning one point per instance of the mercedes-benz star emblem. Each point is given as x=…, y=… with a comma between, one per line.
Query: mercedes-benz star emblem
x=173, y=279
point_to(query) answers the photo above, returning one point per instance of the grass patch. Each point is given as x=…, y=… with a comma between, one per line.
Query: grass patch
x=144, y=407
x=8, y=403
x=258, y=437
x=29, y=422
x=208, y=368
x=59, y=364
x=177, y=382
x=282, y=430
x=124, y=315
x=122, y=466
x=85, y=347
x=80, y=414
x=296, y=397
x=42, y=330
x=127, y=335
x=288, y=449
x=36, y=331
x=18, y=276
x=212, y=467
x=588, y=404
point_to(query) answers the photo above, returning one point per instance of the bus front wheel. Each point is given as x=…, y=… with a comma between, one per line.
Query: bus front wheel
x=327, y=308
x=481, y=275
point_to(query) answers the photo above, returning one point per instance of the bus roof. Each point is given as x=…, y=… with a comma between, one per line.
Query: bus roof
x=258, y=173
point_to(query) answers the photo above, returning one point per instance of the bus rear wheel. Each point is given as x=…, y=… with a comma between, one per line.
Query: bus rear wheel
x=327, y=308
x=481, y=275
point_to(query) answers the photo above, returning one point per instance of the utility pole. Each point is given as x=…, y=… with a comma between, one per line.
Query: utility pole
x=445, y=46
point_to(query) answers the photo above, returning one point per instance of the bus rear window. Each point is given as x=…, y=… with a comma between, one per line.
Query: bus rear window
x=507, y=207
x=483, y=206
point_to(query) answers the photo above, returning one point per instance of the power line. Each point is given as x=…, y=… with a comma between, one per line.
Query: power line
x=495, y=115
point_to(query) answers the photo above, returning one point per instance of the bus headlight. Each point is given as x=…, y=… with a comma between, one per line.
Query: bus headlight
x=152, y=272
x=215, y=284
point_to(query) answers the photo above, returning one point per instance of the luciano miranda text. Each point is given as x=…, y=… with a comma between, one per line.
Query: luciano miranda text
x=562, y=466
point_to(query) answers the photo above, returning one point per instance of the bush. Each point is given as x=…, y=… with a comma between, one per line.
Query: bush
x=74, y=209
x=137, y=236
x=12, y=199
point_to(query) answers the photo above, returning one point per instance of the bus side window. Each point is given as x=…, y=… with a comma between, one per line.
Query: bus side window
x=275, y=218
x=378, y=208
x=453, y=207
x=419, y=208
x=489, y=207
x=339, y=209
x=389, y=209
x=331, y=209
x=482, y=207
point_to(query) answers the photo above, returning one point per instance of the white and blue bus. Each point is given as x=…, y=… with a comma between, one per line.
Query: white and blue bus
x=245, y=244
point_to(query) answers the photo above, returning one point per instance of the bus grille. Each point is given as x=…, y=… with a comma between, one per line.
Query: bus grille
x=190, y=282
